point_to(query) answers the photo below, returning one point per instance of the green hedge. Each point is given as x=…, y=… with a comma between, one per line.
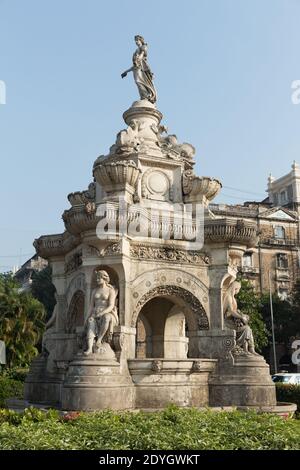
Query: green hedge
x=10, y=388
x=172, y=428
x=289, y=393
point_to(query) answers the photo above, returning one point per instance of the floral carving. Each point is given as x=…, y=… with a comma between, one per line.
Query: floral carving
x=73, y=263
x=112, y=249
x=167, y=254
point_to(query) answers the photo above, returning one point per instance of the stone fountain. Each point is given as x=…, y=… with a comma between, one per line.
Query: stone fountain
x=142, y=273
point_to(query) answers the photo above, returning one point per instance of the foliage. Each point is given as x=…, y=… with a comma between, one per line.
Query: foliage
x=21, y=321
x=30, y=415
x=289, y=393
x=286, y=318
x=296, y=296
x=10, y=388
x=43, y=289
x=15, y=373
x=172, y=428
x=250, y=304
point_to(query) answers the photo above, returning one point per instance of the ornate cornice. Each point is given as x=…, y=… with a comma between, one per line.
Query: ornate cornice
x=55, y=245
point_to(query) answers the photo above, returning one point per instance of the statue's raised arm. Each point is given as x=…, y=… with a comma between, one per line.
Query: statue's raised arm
x=142, y=74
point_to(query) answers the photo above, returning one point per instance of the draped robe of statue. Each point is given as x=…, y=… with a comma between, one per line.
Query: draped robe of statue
x=236, y=320
x=143, y=76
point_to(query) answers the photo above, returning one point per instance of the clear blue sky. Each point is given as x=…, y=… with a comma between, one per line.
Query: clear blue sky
x=223, y=71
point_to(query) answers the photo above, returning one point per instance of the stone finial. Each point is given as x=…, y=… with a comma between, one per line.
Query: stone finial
x=271, y=178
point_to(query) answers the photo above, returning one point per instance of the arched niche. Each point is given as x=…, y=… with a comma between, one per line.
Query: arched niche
x=195, y=313
x=75, y=314
x=113, y=281
x=113, y=276
x=143, y=337
x=175, y=334
x=163, y=321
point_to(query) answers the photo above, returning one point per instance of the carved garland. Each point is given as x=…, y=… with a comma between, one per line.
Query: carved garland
x=112, y=249
x=199, y=319
x=167, y=254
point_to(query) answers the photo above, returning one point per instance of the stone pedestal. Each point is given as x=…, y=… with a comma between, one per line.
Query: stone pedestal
x=245, y=381
x=94, y=383
x=42, y=386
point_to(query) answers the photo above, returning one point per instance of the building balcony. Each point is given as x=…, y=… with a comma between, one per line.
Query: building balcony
x=249, y=269
x=279, y=241
x=230, y=230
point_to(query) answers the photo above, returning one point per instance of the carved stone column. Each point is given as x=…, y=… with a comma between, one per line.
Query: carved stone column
x=216, y=275
x=88, y=271
x=61, y=313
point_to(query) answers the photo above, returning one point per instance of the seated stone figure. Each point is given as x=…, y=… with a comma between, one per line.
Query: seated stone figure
x=236, y=320
x=103, y=313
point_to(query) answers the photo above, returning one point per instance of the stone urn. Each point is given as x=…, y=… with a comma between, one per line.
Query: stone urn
x=117, y=177
x=200, y=189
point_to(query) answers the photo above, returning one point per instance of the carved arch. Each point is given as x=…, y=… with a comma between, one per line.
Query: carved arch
x=75, y=315
x=77, y=283
x=195, y=313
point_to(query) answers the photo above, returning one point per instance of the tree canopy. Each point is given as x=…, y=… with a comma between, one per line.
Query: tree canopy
x=249, y=302
x=21, y=321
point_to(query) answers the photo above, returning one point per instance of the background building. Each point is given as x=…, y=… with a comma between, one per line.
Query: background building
x=24, y=274
x=277, y=252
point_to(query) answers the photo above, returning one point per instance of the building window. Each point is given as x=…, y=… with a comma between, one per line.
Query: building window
x=283, y=197
x=279, y=232
x=247, y=260
x=282, y=261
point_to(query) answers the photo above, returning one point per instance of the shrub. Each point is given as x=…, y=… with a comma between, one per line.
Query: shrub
x=289, y=393
x=10, y=388
x=15, y=373
x=172, y=428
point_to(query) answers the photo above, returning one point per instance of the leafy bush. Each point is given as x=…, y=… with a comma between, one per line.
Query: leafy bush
x=15, y=373
x=10, y=388
x=30, y=415
x=289, y=393
x=172, y=428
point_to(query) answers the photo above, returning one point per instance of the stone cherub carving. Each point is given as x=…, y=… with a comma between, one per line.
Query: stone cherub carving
x=103, y=314
x=236, y=320
x=171, y=147
x=142, y=74
x=128, y=139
